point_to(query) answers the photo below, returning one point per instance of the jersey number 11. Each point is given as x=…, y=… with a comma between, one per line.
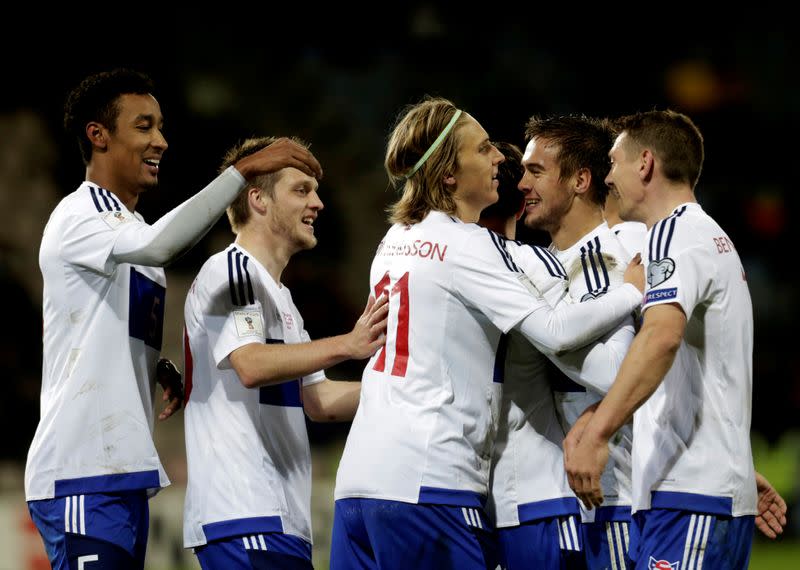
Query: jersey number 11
x=397, y=290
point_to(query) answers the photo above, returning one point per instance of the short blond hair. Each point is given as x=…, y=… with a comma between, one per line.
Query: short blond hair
x=238, y=211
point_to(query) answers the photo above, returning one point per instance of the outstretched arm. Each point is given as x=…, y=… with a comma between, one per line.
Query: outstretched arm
x=181, y=228
x=571, y=326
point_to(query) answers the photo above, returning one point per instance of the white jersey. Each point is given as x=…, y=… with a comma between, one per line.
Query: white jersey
x=426, y=423
x=632, y=235
x=247, y=448
x=692, y=446
x=102, y=334
x=595, y=265
x=528, y=478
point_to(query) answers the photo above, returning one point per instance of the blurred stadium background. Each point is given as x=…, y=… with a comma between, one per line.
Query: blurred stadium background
x=337, y=78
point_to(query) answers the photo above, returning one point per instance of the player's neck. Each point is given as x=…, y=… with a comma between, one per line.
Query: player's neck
x=666, y=200
x=506, y=228
x=273, y=258
x=106, y=179
x=579, y=221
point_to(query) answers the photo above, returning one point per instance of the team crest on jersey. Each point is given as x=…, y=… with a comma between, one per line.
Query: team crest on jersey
x=248, y=323
x=654, y=564
x=115, y=219
x=592, y=295
x=659, y=271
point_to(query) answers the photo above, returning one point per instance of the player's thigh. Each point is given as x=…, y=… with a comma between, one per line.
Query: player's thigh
x=606, y=544
x=94, y=531
x=664, y=538
x=258, y=551
x=431, y=537
x=551, y=543
x=350, y=544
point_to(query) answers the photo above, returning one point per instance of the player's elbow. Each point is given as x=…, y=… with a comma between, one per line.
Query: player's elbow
x=316, y=410
x=249, y=380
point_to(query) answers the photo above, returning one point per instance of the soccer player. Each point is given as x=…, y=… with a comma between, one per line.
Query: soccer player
x=536, y=514
x=687, y=378
x=251, y=372
x=413, y=480
x=92, y=463
x=566, y=162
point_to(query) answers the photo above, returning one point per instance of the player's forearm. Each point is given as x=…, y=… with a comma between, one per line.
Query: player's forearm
x=332, y=400
x=263, y=364
x=181, y=228
x=596, y=365
x=649, y=359
x=570, y=326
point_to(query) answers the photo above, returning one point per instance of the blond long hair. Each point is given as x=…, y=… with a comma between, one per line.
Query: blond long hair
x=418, y=126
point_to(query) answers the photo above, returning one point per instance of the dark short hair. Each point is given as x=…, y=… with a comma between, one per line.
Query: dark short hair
x=96, y=99
x=672, y=137
x=583, y=142
x=509, y=174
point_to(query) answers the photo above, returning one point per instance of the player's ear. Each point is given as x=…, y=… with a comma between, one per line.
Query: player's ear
x=647, y=165
x=97, y=135
x=256, y=199
x=583, y=179
x=449, y=180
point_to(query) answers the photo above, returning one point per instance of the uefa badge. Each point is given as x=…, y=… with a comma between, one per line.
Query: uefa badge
x=659, y=271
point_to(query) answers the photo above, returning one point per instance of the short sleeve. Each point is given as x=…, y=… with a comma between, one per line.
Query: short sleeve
x=485, y=276
x=88, y=238
x=682, y=276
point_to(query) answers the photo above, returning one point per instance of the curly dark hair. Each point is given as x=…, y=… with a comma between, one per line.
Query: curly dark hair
x=96, y=99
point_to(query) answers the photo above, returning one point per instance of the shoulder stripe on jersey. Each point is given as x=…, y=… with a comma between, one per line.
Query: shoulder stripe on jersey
x=550, y=261
x=239, y=283
x=659, y=244
x=109, y=200
x=593, y=265
x=500, y=243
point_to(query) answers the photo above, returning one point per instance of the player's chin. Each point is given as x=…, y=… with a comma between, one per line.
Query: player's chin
x=150, y=183
x=309, y=241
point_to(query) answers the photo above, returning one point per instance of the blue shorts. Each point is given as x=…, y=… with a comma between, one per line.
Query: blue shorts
x=606, y=544
x=373, y=533
x=99, y=530
x=553, y=542
x=258, y=551
x=664, y=539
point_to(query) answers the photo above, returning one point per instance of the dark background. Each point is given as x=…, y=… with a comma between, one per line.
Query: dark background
x=337, y=77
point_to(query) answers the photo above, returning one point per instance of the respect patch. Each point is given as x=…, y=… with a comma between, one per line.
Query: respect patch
x=661, y=295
